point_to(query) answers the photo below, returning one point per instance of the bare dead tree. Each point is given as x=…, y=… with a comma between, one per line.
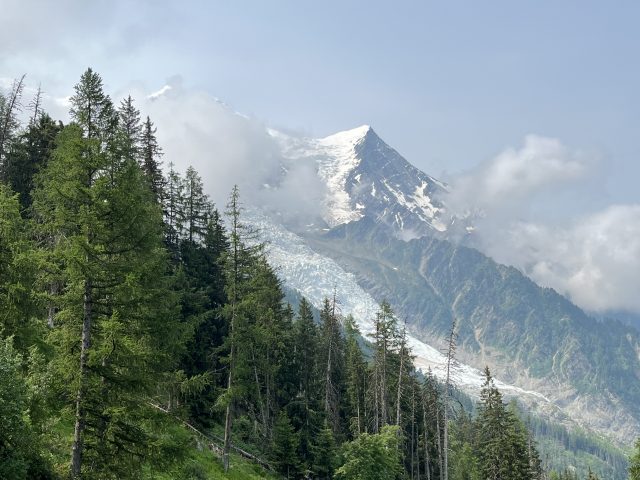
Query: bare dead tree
x=451, y=366
x=403, y=347
x=35, y=106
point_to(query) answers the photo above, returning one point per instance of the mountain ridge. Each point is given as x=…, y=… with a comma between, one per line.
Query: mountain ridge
x=386, y=223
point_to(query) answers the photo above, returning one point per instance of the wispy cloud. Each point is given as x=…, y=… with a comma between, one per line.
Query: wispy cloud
x=228, y=148
x=511, y=179
x=593, y=259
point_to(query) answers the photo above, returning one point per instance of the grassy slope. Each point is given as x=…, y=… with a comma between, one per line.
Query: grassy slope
x=203, y=464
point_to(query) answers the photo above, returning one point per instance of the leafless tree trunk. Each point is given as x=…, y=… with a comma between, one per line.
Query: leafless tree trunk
x=439, y=444
x=451, y=363
x=400, y=373
x=36, y=106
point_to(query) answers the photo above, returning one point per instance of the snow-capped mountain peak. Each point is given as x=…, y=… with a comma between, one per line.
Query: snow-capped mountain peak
x=347, y=137
x=366, y=177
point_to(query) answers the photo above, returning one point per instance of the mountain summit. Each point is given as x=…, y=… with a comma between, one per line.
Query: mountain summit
x=386, y=237
x=366, y=177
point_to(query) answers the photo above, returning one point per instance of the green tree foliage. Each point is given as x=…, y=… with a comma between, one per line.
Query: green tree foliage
x=285, y=447
x=195, y=209
x=128, y=305
x=151, y=153
x=372, y=457
x=356, y=380
x=324, y=453
x=634, y=463
x=30, y=152
x=331, y=362
x=502, y=438
x=116, y=325
x=19, y=304
x=20, y=456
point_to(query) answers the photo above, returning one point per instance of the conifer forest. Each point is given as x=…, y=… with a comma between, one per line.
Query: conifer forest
x=145, y=335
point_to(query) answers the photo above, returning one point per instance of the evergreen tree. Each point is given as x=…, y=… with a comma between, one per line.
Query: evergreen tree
x=431, y=424
x=30, y=152
x=384, y=341
x=238, y=264
x=19, y=305
x=171, y=207
x=331, y=362
x=10, y=108
x=195, y=208
x=151, y=164
x=116, y=327
x=130, y=130
x=285, y=448
x=356, y=379
x=372, y=457
x=324, y=453
x=634, y=463
x=202, y=297
x=502, y=438
x=304, y=407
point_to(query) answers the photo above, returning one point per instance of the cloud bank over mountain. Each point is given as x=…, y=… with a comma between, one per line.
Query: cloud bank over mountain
x=593, y=259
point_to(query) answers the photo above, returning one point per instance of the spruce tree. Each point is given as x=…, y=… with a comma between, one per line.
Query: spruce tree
x=30, y=152
x=129, y=131
x=150, y=158
x=383, y=343
x=116, y=330
x=195, y=208
x=324, y=453
x=285, y=448
x=331, y=362
x=19, y=305
x=356, y=378
x=238, y=263
x=304, y=408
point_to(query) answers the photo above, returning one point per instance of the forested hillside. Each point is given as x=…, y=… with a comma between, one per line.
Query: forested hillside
x=530, y=335
x=143, y=334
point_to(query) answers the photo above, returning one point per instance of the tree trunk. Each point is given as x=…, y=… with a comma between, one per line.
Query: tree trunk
x=426, y=441
x=263, y=411
x=399, y=394
x=451, y=351
x=78, y=432
x=439, y=444
x=227, y=419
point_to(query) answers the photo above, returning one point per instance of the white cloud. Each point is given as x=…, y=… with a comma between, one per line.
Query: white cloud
x=227, y=148
x=594, y=259
x=511, y=179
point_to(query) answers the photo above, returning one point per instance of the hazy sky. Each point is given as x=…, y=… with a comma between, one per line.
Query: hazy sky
x=448, y=84
x=533, y=105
